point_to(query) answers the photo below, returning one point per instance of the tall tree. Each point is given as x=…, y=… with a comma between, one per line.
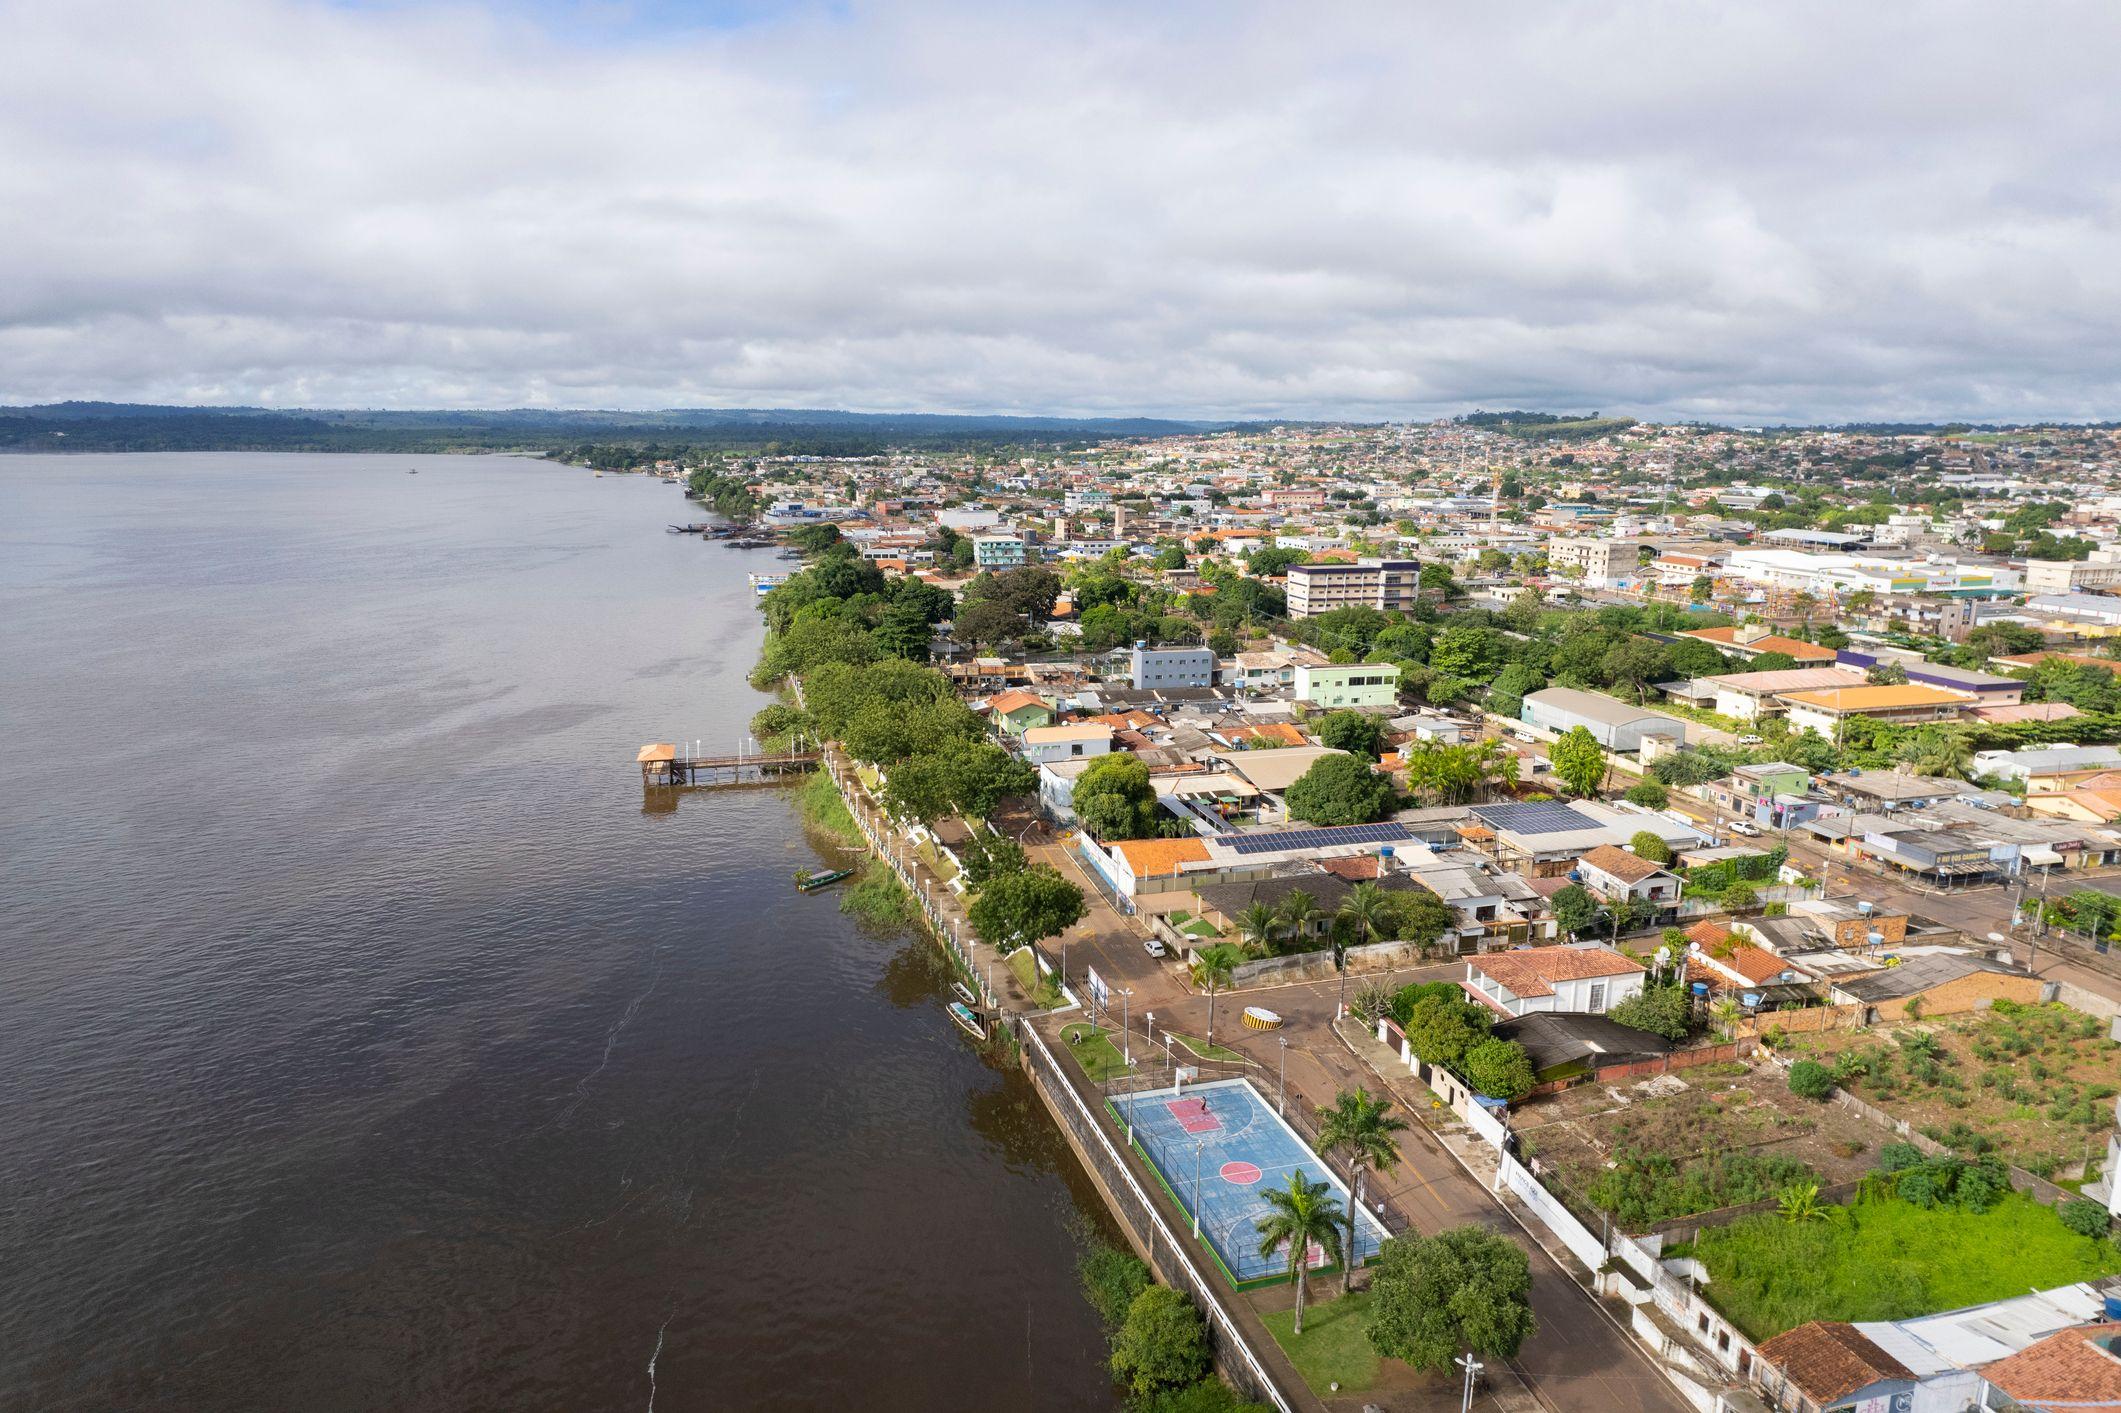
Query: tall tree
x=1365, y=910
x=1211, y=970
x=1578, y=760
x=1302, y=1215
x=1466, y=1289
x=1256, y=925
x=1361, y=1128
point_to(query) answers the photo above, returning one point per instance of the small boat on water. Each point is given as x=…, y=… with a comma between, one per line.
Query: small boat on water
x=966, y=1020
x=811, y=882
x=414, y=471
x=964, y=993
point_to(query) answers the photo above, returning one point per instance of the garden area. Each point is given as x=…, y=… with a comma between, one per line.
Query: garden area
x=1688, y=1142
x=1886, y=1258
x=2033, y=1084
x=1094, y=1051
x=1044, y=992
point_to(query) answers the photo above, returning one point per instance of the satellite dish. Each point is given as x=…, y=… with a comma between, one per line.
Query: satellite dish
x=1997, y=937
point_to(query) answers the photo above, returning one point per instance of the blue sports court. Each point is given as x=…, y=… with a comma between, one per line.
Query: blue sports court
x=1217, y=1147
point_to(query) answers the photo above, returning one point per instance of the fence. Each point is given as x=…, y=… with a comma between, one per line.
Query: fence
x=1133, y=1206
x=1318, y=966
x=1454, y=1092
x=1805, y=1020
x=1643, y=1069
x=1579, y=1239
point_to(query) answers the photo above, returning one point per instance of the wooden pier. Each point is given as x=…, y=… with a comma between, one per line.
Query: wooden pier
x=662, y=765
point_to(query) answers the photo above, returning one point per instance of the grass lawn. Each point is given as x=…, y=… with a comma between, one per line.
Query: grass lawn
x=1094, y=1050
x=1887, y=1260
x=938, y=861
x=1206, y=1051
x=1043, y=993
x=1333, y=1347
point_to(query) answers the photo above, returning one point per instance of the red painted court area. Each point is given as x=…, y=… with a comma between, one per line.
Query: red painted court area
x=1193, y=1115
x=1243, y=1174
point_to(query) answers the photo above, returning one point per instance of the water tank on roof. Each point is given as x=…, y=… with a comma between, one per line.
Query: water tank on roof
x=1701, y=988
x=1384, y=851
x=2113, y=1307
x=1751, y=999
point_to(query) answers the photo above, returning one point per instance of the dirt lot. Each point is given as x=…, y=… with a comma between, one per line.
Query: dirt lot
x=1690, y=1141
x=2034, y=1083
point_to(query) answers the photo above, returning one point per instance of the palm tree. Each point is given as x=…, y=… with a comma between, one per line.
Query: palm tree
x=1300, y=912
x=1256, y=925
x=1211, y=969
x=1365, y=910
x=1799, y=1202
x=1726, y=1011
x=1496, y=763
x=1361, y=1127
x=1301, y=1216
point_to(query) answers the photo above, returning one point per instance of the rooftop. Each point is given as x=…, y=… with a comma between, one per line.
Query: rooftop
x=1877, y=698
x=1627, y=867
x=1534, y=970
x=1831, y=1359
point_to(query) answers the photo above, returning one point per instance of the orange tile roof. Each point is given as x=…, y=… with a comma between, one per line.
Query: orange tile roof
x=1015, y=701
x=2065, y=1368
x=1769, y=643
x=1755, y=964
x=1708, y=934
x=1877, y=698
x=1160, y=858
x=1627, y=867
x=1533, y=971
x=1282, y=732
x=1831, y=1359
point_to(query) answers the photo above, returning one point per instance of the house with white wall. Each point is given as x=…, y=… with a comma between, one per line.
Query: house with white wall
x=1569, y=980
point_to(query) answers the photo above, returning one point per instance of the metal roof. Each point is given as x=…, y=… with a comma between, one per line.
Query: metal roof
x=1326, y=838
x=1535, y=818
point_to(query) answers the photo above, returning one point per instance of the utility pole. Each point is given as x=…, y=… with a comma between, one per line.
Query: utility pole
x=1472, y=1367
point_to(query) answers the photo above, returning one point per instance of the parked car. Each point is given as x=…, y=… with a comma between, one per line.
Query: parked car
x=1155, y=947
x=1746, y=827
x=1751, y=741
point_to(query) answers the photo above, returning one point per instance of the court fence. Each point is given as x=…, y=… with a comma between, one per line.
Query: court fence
x=1131, y=1203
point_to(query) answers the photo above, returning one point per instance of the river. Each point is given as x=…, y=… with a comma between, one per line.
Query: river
x=366, y=1044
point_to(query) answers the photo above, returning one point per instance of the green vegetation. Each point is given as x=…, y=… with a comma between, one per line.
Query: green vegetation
x=878, y=900
x=1340, y=790
x=1300, y=1216
x=1433, y=1298
x=1661, y=1010
x=1114, y=800
x=1642, y=1189
x=1811, y=1079
x=1162, y=1343
x=1026, y=906
x=1353, y=731
x=818, y=800
x=1044, y=993
x=1363, y=1129
x=1210, y=970
x=1334, y=1347
x=1111, y=1277
x=1887, y=1259
x=1094, y=1051
x=1579, y=761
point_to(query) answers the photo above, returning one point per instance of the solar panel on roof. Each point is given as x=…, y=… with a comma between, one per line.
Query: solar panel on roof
x=1535, y=818
x=1324, y=838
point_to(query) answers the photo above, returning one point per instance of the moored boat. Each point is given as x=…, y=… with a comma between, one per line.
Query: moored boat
x=966, y=1020
x=811, y=882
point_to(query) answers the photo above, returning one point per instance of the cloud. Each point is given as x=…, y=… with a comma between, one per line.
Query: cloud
x=1800, y=211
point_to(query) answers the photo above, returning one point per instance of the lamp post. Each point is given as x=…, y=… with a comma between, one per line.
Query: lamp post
x=1281, y=1103
x=1197, y=1143
x=1472, y=1367
x=1126, y=1027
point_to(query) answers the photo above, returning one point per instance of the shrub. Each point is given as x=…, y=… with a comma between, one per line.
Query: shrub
x=2084, y=1217
x=1649, y=794
x=1661, y=1010
x=1499, y=1069
x=1372, y=999
x=1899, y=1157
x=1811, y=1080
x=1406, y=998
x=1111, y=1277
x=1161, y=1344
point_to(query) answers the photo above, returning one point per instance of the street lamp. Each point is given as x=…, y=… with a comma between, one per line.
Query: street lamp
x=1126, y=1027
x=1281, y=1104
x=1472, y=1367
x=1197, y=1143
x=1149, y=1027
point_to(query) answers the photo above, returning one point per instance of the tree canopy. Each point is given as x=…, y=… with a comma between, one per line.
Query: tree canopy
x=1433, y=1298
x=1339, y=790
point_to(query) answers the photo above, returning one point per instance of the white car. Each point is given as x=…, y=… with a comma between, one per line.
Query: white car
x=1746, y=827
x=1154, y=946
x=1751, y=741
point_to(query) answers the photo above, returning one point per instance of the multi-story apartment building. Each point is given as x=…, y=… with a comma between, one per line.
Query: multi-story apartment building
x=1171, y=667
x=1000, y=551
x=2067, y=576
x=1598, y=563
x=1371, y=583
x=1373, y=684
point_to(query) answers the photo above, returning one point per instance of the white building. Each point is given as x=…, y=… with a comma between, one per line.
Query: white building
x=1568, y=980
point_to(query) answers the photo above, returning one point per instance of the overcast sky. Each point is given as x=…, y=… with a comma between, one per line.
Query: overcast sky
x=1776, y=211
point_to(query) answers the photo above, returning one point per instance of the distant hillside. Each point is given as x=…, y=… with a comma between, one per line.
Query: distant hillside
x=1548, y=426
x=113, y=426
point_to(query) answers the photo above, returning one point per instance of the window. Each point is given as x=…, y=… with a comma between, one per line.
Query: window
x=1597, y=998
